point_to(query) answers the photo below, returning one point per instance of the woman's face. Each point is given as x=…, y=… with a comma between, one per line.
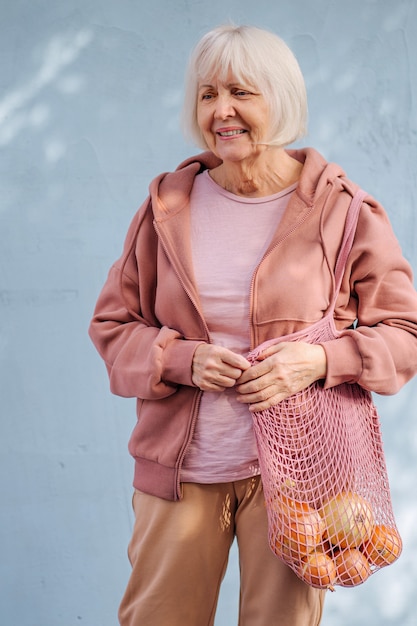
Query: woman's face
x=233, y=118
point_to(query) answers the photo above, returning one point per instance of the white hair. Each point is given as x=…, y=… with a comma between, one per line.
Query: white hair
x=256, y=57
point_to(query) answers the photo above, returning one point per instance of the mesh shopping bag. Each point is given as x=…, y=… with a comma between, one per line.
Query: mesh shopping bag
x=323, y=469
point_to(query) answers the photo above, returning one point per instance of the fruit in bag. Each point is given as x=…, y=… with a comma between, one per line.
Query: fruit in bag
x=299, y=528
x=349, y=520
x=352, y=567
x=384, y=546
x=319, y=570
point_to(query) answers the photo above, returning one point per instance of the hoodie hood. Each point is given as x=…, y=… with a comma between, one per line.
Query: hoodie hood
x=170, y=191
x=317, y=173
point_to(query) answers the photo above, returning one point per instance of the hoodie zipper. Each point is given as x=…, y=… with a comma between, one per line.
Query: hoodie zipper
x=325, y=194
x=194, y=303
x=199, y=393
x=186, y=445
x=265, y=256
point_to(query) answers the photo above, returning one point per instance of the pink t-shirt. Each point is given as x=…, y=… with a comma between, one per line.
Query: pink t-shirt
x=230, y=234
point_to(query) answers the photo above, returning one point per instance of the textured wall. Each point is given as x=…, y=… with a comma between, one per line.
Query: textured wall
x=90, y=92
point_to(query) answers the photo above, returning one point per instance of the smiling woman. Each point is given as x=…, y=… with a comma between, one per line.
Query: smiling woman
x=236, y=247
x=258, y=61
x=234, y=121
x=245, y=98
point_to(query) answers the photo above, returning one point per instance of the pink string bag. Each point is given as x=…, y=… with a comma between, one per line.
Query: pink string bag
x=323, y=468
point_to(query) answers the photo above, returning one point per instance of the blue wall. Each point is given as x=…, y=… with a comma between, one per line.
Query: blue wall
x=90, y=92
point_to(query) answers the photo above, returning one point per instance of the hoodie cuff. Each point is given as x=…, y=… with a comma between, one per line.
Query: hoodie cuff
x=178, y=359
x=344, y=362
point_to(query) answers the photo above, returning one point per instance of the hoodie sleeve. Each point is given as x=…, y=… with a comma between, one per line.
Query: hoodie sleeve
x=381, y=352
x=143, y=359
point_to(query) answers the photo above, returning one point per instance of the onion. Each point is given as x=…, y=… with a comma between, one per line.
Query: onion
x=384, y=546
x=352, y=568
x=299, y=529
x=349, y=520
x=319, y=570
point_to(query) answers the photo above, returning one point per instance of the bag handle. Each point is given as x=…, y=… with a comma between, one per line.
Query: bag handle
x=348, y=236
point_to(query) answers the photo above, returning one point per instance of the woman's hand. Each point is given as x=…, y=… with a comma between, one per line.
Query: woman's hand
x=214, y=368
x=283, y=369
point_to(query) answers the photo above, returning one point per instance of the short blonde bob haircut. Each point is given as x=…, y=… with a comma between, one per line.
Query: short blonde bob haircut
x=258, y=58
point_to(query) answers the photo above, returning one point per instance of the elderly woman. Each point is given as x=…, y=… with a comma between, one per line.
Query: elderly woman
x=235, y=247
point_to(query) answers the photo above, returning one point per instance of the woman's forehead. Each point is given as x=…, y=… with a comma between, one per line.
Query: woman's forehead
x=225, y=78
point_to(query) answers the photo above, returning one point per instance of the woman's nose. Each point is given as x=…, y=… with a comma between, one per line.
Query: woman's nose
x=224, y=108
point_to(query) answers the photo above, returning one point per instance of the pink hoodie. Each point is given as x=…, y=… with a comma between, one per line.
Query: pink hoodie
x=148, y=322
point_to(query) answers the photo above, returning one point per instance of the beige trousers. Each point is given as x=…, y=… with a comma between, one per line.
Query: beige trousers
x=179, y=553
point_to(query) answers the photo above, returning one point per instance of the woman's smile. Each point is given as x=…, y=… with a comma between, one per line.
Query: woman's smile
x=230, y=133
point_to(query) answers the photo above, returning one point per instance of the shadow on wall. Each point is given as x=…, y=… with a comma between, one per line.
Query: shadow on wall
x=21, y=109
